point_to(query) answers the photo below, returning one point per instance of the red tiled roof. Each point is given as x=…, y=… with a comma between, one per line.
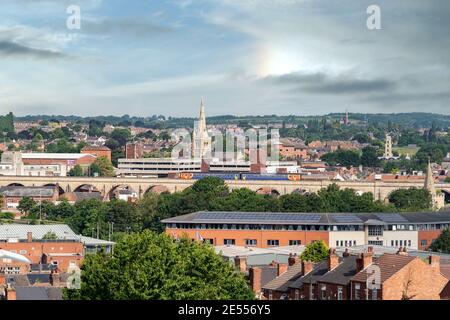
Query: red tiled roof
x=389, y=265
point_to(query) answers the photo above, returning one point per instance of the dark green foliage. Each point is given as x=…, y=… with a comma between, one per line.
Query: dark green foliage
x=316, y=251
x=442, y=243
x=153, y=266
x=412, y=199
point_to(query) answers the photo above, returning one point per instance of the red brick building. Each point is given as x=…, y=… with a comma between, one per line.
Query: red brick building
x=97, y=151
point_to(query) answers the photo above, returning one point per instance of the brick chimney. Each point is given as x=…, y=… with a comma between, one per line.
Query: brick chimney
x=402, y=251
x=364, y=260
x=10, y=293
x=282, y=268
x=255, y=279
x=333, y=259
x=293, y=259
x=307, y=267
x=434, y=261
x=241, y=263
x=29, y=236
x=55, y=278
x=346, y=253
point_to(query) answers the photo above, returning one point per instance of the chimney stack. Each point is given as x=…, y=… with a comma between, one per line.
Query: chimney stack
x=255, y=279
x=434, y=261
x=29, y=236
x=281, y=268
x=365, y=259
x=333, y=259
x=293, y=259
x=241, y=263
x=10, y=293
x=307, y=267
x=55, y=278
x=346, y=253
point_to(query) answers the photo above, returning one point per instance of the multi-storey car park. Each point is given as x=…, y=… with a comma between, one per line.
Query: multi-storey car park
x=266, y=229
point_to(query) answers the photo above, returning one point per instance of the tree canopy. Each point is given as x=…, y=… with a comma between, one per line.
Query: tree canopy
x=315, y=251
x=153, y=266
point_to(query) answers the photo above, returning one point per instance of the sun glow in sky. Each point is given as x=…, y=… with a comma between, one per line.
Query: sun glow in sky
x=247, y=56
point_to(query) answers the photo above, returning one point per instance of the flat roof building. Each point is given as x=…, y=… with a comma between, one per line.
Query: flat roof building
x=266, y=229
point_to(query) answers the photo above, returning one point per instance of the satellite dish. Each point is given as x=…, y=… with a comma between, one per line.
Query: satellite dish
x=14, y=256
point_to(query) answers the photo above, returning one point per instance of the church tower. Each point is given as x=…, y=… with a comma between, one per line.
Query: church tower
x=201, y=145
x=437, y=199
x=388, y=154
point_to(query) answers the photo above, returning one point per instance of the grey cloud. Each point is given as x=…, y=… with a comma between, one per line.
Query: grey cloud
x=130, y=26
x=325, y=84
x=13, y=49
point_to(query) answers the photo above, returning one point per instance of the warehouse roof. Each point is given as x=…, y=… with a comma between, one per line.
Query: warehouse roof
x=19, y=231
x=39, y=155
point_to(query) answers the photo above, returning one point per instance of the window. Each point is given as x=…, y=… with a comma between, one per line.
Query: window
x=392, y=243
x=337, y=243
x=354, y=242
x=409, y=243
x=374, y=294
x=210, y=241
x=273, y=242
x=295, y=242
x=423, y=242
x=376, y=242
x=297, y=294
x=340, y=293
x=23, y=251
x=375, y=230
x=250, y=242
x=229, y=242
x=323, y=292
x=270, y=295
x=357, y=291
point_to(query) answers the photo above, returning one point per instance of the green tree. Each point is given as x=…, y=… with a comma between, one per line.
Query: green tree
x=50, y=236
x=411, y=199
x=103, y=167
x=369, y=157
x=442, y=243
x=148, y=266
x=316, y=251
x=76, y=171
x=26, y=204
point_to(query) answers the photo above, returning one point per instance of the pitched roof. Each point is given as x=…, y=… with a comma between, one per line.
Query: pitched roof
x=282, y=282
x=343, y=273
x=19, y=231
x=312, y=277
x=38, y=293
x=389, y=265
x=95, y=148
x=20, y=191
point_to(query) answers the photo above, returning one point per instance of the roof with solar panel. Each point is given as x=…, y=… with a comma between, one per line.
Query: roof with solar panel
x=309, y=218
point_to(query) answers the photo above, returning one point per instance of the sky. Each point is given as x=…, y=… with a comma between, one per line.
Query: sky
x=246, y=57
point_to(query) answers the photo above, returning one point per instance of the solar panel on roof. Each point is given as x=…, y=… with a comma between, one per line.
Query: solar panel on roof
x=258, y=216
x=345, y=218
x=391, y=217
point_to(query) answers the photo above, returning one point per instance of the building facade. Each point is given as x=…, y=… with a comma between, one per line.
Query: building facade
x=264, y=230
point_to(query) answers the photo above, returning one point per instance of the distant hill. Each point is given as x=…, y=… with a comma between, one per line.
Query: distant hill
x=416, y=119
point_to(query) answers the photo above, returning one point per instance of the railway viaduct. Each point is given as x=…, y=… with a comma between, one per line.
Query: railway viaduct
x=107, y=186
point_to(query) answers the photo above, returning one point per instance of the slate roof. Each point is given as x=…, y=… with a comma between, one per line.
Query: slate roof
x=299, y=218
x=19, y=191
x=282, y=282
x=343, y=273
x=312, y=277
x=38, y=293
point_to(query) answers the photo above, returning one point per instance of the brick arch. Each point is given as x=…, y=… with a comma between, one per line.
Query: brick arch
x=60, y=189
x=158, y=189
x=268, y=191
x=86, y=187
x=300, y=191
x=111, y=193
x=15, y=184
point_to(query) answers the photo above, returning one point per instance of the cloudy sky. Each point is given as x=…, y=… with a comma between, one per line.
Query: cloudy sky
x=144, y=57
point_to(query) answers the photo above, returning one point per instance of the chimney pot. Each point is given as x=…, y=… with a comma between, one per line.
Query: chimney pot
x=434, y=261
x=29, y=237
x=333, y=259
